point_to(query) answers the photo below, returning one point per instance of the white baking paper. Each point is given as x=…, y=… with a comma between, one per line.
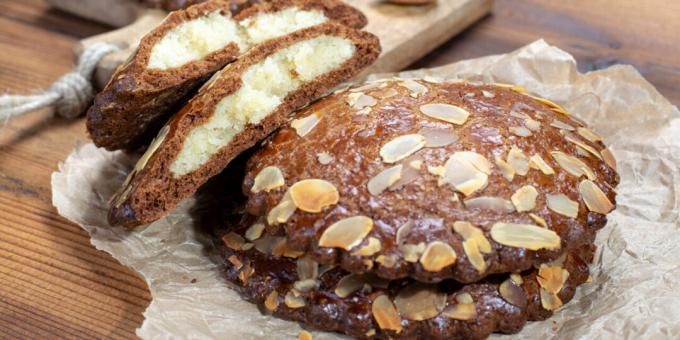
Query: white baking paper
x=635, y=291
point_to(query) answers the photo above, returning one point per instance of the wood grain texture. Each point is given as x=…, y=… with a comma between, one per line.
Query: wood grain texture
x=54, y=284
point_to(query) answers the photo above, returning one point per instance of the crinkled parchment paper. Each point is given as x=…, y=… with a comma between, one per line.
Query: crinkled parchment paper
x=636, y=277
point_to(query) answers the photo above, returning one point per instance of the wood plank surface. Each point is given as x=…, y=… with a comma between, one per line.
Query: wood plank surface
x=54, y=284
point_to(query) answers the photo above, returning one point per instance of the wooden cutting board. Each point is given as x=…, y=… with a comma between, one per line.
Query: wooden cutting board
x=406, y=32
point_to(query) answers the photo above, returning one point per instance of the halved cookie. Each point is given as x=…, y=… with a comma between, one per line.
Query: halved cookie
x=292, y=286
x=184, y=51
x=409, y=178
x=240, y=106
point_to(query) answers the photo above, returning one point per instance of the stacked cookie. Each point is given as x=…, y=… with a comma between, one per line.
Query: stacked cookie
x=416, y=209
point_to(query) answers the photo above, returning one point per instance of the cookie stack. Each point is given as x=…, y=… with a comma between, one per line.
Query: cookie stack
x=418, y=209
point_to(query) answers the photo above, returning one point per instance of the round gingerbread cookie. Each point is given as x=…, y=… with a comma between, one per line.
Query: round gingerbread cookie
x=410, y=178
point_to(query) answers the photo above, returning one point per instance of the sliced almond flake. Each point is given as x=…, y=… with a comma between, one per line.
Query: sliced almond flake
x=465, y=298
x=233, y=240
x=370, y=333
x=488, y=94
x=540, y=221
x=461, y=312
x=532, y=124
x=436, y=170
x=419, y=301
x=495, y=204
x=513, y=293
x=365, y=111
x=358, y=100
x=294, y=301
x=415, y=87
x=537, y=162
x=324, y=158
x=245, y=273
x=438, y=137
x=434, y=80
x=368, y=86
x=281, y=248
x=446, y=112
x=401, y=147
x=272, y=301
x=384, y=180
x=562, y=205
x=594, y=197
x=524, y=199
x=467, y=171
x=313, y=195
x=233, y=259
x=580, y=152
x=590, y=149
x=265, y=243
x=562, y=125
x=307, y=268
x=518, y=114
x=346, y=233
x=282, y=211
x=437, y=256
x=267, y=179
x=515, y=88
x=589, y=134
x=403, y=231
x=551, y=104
x=518, y=161
x=516, y=278
x=304, y=125
x=469, y=95
x=475, y=256
x=247, y=246
x=412, y=252
x=387, y=261
x=550, y=301
x=369, y=249
x=384, y=94
x=255, y=231
x=304, y=335
x=349, y=284
x=573, y=165
x=385, y=314
x=527, y=236
x=507, y=171
x=469, y=231
x=552, y=278
x=305, y=286
x=608, y=157
x=520, y=131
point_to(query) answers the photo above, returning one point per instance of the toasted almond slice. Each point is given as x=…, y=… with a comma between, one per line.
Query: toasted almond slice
x=272, y=301
x=304, y=125
x=305, y=285
x=608, y=158
x=562, y=125
x=552, y=278
x=385, y=314
x=415, y=87
x=464, y=298
x=469, y=231
x=520, y=131
x=255, y=231
x=346, y=233
x=419, y=302
x=562, y=205
x=518, y=161
x=437, y=256
x=401, y=147
x=233, y=240
x=304, y=335
x=281, y=248
x=532, y=124
x=416, y=164
x=461, y=311
x=349, y=284
x=387, y=261
x=267, y=179
x=384, y=179
x=281, y=212
x=467, y=171
x=516, y=278
x=551, y=104
x=589, y=134
x=537, y=162
x=294, y=301
x=412, y=252
x=573, y=165
x=526, y=236
x=369, y=86
x=233, y=259
x=370, y=249
x=403, y=231
x=583, y=145
x=550, y=301
x=594, y=197
x=524, y=198
x=307, y=268
x=488, y=94
x=540, y=221
x=513, y=293
x=446, y=112
x=496, y=204
x=438, y=137
x=313, y=195
x=358, y=100
x=475, y=256
x=507, y=171
x=324, y=158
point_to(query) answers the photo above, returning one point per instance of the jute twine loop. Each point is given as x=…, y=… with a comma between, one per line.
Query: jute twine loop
x=69, y=96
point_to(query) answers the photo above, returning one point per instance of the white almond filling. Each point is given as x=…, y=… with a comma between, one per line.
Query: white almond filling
x=195, y=39
x=264, y=86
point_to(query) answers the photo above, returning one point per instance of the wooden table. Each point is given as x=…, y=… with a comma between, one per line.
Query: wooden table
x=53, y=283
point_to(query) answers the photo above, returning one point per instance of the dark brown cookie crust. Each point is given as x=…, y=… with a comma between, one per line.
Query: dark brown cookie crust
x=353, y=141
x=137, y=101
x=173, y=5
x=352, y=315
x=153, y=191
